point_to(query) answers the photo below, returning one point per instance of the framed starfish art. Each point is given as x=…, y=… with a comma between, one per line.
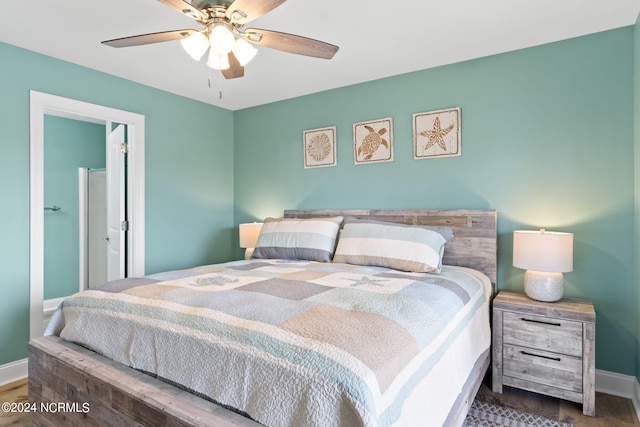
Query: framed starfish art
x=436, y=134
x=373, y=141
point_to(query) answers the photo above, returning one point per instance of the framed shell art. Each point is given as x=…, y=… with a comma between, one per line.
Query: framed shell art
x=319, y=147
x=436, y=134
x=373, y=141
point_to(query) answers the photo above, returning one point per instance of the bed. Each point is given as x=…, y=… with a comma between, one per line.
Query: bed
x=308, y=364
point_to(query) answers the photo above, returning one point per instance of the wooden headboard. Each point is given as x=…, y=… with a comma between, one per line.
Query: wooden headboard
x=474, y=243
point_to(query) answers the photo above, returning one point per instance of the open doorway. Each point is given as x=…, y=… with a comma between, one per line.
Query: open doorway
x=129, y=250
x=102, y=215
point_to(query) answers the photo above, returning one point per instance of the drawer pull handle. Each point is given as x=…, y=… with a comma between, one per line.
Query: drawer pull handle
x=541, y=321
x=526, y=353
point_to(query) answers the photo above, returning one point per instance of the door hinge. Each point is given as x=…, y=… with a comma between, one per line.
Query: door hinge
x=124, y=148
x=124, y=226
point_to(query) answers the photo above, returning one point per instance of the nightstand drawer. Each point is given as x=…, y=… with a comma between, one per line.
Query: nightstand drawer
x=543, y=367
x=543, y=333
x=547, y=348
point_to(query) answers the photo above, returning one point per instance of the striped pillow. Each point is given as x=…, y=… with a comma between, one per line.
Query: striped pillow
x=311, y=239
x=403, y=248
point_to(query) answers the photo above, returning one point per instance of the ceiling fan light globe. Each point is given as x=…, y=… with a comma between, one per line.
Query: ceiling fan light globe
x=244, y=51
x=195, y=45
x=218, y=61
x=221, y=39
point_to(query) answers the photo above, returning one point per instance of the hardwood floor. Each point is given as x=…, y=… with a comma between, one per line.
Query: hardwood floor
x=611, y=411
x=14, y=393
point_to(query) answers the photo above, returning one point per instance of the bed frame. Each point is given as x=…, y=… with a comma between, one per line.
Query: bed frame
x=72, y=386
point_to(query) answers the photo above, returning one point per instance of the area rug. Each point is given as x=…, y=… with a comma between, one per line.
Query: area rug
x=483, y=414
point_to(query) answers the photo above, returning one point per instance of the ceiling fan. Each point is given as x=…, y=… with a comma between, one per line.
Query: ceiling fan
x=223, y=34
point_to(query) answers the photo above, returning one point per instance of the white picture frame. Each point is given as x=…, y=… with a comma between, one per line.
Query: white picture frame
x=319, y=147
x=373, y=141
x=437, y=134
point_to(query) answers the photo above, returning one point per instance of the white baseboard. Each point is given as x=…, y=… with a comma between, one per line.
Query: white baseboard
x=615, y=384
x=13, y=371
x=17, y=370
x=619, y=385
x=50, y=305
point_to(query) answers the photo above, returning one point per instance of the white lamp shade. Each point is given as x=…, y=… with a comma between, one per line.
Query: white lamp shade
x=249, y=234
x=221, y=39
x=542, y=250
x=195, y=45
x=243, y=51
x=218, y=61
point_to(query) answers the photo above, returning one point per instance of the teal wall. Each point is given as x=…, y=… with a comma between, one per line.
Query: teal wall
x=547, y=141
x=68, y=145
x=188, y=182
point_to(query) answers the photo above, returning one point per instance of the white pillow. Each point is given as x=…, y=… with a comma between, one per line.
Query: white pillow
x=400, y=247
x=312, y=239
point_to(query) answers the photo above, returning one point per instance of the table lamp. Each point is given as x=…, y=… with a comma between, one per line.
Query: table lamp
x=249, y=236
x=545, y=255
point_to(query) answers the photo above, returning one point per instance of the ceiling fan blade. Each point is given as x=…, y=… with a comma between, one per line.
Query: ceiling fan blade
x=291, y=43
x=143, y=39
x=243, y=11
x=235, y=70
x=186, y=9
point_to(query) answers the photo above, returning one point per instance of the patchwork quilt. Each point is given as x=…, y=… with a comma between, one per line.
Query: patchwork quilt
x=289, y=343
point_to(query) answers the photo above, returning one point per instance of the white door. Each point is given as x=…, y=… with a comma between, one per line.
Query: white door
x=97, y=227
x=116, y=148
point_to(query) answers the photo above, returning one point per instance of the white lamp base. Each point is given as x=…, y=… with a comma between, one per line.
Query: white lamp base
x=248, y=252
x=543, y=286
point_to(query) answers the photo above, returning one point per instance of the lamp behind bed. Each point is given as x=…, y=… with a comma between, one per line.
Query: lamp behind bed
x=249, y=237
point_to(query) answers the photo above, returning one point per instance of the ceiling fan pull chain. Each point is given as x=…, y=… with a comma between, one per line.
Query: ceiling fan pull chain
x=211, y=86
x=219, y=81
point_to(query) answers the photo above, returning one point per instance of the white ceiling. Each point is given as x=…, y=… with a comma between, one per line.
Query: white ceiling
x=377, y=38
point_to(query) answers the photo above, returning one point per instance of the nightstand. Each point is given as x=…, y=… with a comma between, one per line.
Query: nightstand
x=547, y=348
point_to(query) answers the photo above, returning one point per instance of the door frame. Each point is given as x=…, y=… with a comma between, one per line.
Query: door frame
x=42, y=104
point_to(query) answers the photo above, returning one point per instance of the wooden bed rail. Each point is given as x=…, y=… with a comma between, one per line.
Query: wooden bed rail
x=71, y=386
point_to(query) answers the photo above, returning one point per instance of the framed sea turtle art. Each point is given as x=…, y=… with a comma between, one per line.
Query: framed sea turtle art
x=319, y=147
x=437, y=134
x=373, y=141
